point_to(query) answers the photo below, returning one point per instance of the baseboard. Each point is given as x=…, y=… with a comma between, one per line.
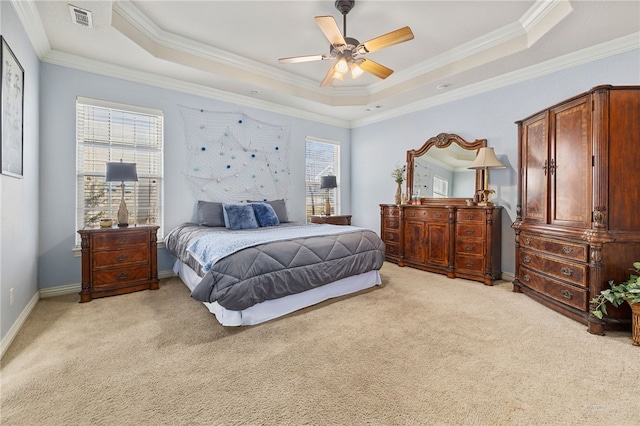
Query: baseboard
x=508, y=276
x=15, y=328
x=75, y=288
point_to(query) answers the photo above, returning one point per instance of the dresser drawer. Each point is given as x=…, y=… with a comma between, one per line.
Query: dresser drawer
x=391, y=211
x=469, y=263
x=392, y=250
x=565, y=293
x=392, y=223
x=109, y=277
x=564, y=270
x=564, y=249
x=472, y=247
x=121, y=257
x=391, y=236
x=427, y=214
x=470, y=230
x=112, y=239
x=470, y=215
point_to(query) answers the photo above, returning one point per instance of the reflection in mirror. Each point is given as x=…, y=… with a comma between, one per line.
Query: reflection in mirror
x=439, y=169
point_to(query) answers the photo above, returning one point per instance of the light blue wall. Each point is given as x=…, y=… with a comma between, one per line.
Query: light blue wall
x=60, y=86
x=378, y=147
x=19, y=197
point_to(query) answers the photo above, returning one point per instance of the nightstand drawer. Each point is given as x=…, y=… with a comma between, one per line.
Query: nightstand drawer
x=109, y=277
x=118, y=258
x=118, y=239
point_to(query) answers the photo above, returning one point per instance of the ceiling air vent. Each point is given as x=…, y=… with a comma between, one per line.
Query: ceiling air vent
x=81, y=16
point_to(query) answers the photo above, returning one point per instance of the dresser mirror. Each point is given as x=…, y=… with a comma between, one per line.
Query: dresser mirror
x=439, y=169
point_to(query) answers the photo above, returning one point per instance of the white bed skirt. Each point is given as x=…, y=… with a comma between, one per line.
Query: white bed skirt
x=271, y=309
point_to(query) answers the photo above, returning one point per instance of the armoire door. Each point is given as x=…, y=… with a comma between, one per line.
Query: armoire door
x=535, y=168
x=570, y=164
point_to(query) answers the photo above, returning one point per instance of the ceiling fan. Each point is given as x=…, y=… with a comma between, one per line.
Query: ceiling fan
x=347, y=52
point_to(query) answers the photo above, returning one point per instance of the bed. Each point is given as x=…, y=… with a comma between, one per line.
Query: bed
x=248, y=264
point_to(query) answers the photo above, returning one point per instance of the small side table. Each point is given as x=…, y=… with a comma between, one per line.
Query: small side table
x=332, y=220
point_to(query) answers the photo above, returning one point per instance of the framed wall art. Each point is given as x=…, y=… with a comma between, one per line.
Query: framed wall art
x=12, y=112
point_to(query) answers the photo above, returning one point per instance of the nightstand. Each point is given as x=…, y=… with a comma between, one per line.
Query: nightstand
x=332, y=220
x=118, y=261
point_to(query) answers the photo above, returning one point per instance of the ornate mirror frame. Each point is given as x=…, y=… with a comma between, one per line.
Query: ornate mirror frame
x=443, y=140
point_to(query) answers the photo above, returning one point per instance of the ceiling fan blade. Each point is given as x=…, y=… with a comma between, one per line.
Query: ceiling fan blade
x=330, y=29
x=296, y=59
x=394, y=37
x=375, y=68
x=328, y=79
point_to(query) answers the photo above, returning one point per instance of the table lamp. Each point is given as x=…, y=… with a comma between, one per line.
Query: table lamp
x=486, y=159
x=328, y=183
x=122, y=172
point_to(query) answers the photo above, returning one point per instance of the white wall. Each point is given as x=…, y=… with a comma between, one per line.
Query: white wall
x=19, y=197
x=60, y=86
x=378, y=147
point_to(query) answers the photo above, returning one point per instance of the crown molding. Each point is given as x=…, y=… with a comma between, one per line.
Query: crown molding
x=29, y=16
x=590, y=54
x=109, y=70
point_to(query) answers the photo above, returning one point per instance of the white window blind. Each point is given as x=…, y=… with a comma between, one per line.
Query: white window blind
x=110, y=132
x=322, y=158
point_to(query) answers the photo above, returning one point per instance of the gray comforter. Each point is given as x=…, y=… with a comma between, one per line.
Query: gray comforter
x=277, y=269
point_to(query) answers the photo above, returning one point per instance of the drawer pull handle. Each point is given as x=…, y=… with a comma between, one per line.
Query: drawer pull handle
x=393, y=224
x=470, y=217
x=566, y=271
x=470, y=231
x=122, y=276
x=527, y=241
x=469, y=263
x=526, y=259
x=412, y=214
x=438, y=215
x=567, y=250
x=526, y=277
x=566, y=294
x=122, y=257
x=469, y=248
x=392, y=237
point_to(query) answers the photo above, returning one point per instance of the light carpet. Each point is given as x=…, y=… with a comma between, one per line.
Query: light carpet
x=420, y=350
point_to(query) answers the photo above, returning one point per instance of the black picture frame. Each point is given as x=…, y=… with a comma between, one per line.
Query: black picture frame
x=11, y=112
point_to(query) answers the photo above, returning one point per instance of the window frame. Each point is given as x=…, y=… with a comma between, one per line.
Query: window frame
x=122, y=130
x=313, y=175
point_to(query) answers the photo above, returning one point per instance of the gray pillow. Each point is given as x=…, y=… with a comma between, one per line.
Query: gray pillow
x=210, y=213
x=279, y=206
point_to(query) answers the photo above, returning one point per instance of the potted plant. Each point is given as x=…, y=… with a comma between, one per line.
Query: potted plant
x=398, y=176
x=628, y=291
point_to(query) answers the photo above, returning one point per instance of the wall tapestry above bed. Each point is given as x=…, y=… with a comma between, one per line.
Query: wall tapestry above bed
x=232, y=156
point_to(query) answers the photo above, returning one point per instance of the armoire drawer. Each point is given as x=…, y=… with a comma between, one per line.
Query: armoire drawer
x=567, y=271
x=564, y=249
x=564, y=293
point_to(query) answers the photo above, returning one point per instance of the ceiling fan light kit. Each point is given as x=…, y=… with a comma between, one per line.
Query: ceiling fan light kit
x=347, y=52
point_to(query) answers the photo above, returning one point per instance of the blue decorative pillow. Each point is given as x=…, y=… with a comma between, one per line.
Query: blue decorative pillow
x=239, y=216
x=265, y=214
x=279, y=206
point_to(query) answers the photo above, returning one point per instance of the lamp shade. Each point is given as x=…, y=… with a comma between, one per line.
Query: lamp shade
x=328, y=182
x=486, y=159
x=121, y=172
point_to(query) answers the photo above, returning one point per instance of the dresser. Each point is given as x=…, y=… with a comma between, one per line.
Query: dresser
x=577, y=224
x=455, y=240
x=118, y=260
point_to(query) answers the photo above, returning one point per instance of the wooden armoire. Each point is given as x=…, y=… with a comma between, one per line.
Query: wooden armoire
x=578, y=217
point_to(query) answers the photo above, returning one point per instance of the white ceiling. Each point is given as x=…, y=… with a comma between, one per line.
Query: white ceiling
x=229, y=49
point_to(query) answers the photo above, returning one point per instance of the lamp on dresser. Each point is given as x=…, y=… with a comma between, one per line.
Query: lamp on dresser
x=328, y=183
x=486, y=159
x=122, y=172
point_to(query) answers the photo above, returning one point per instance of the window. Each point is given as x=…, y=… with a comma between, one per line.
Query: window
x=322, y=159
x=109, y=132
x=440, y=187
